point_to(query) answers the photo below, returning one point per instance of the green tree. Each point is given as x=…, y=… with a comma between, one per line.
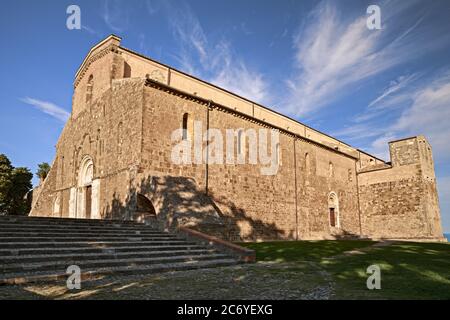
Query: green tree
x=15, y=183
x=21, y=185
x=43, y=170
x=5, y=183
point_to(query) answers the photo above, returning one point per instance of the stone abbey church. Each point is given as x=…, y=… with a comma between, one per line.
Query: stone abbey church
x=113, y=161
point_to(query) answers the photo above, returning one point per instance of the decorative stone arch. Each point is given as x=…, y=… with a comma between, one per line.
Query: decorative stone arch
x=333, y=210
x=144, y=208
x=84, y=197
x=86, y=172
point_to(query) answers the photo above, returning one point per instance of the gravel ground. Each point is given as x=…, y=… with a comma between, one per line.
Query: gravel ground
x=252, y=281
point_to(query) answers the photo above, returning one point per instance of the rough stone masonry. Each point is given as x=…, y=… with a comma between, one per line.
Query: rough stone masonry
x=113, y=161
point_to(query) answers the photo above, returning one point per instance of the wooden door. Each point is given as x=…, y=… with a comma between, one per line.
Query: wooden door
x=332, y=217
x=88, y=201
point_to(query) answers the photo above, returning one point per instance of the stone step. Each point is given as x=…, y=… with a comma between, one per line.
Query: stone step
x=70, y=244
x=107, y=254
x=62, y=265
x=74, y=224
x=88, y=250
x=31, y=220
x=42, y=248
x=88, y=238
x=84, y=234
x=26, y=227
x=20, y=278
x=31, y=228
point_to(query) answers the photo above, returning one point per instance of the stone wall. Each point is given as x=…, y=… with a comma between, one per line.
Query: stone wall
x=250, y=205
x=401, y=201
x=108, y=131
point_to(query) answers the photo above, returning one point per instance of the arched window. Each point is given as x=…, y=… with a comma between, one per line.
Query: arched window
x=126, y=70
x=99, y=145
x=330, y=169
x=307, y=164
x=278, y=153
x=241, y=143
x=333, y=207
x=187, y=127
x=89, y=89
x=119, y=137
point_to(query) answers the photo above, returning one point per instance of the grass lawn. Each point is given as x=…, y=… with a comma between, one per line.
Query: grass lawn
x=408, y=270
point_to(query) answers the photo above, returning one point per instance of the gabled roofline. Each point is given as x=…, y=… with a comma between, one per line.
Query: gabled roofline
x=98, y=45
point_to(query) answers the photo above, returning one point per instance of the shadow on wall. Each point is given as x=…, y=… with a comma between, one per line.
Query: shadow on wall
x=177, y=201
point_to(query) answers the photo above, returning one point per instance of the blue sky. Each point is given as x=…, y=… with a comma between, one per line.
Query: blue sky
x=313, y=60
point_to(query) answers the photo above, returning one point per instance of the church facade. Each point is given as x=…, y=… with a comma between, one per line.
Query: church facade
x=114, y=160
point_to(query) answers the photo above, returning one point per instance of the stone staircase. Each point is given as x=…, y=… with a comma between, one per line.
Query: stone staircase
x=40, y=249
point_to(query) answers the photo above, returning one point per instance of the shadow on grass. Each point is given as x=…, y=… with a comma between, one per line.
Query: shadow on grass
x=291, y=251
x=408, y=270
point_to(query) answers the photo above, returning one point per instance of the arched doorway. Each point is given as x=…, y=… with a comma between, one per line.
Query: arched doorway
x=333, y=210
x=85, y=177
x=144, y=209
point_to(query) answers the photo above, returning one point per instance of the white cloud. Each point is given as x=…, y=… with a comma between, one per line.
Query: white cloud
x=214, y=61
x=48, y=108
x=379, y=147
x=91, y=31
x=424, y=109
x=336, y=55
x=361, y=131
x=429, y=114
x=444, y=189
x=115, y=15
x=240, y=80
x=443, y=184
x=394, y=87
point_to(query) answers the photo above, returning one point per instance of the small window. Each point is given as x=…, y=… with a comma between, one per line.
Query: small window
x=330, y=169
x=278, y=153
x=119, y=138
x=126, y=70
x=307, y=164
x=89, y=89
x=350, y=175
x=187, y=127
x=241, y=142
